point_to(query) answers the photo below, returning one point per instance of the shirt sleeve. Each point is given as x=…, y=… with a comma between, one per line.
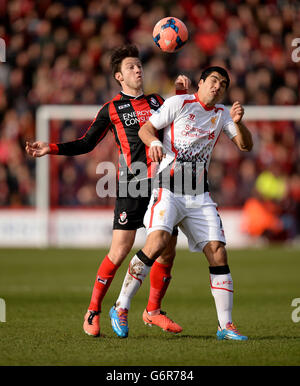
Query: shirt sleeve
x=167, y=113
x=94, y=134
x=229, y=127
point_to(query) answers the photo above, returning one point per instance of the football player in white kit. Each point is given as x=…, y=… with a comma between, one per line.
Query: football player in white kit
x=192, y=125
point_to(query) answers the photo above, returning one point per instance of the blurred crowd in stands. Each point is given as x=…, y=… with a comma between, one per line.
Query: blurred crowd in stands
x=58, y=52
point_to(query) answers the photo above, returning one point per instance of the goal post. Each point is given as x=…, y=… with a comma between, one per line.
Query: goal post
x=44, y=115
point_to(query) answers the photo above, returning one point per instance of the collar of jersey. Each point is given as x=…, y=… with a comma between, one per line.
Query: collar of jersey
x=207, y=108
x=126, y=96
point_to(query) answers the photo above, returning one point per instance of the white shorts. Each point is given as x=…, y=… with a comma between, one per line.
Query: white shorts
x=196, y=216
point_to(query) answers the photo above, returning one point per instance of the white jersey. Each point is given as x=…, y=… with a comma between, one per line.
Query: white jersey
x=191, y=128
x=191, y=131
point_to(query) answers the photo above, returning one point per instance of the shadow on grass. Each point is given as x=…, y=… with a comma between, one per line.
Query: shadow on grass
x=182, y=338
x=160, y=337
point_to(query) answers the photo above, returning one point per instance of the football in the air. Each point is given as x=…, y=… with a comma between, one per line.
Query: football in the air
x=170, y=34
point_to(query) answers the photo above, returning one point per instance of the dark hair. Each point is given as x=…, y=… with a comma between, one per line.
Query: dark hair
x=120, y=53
x=217, y=69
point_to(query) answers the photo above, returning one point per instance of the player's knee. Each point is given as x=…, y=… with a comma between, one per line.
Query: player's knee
x=118, y=253
x=216, y=253
x=157, y=241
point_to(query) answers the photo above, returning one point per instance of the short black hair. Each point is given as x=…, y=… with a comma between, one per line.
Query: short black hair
x=120, y=53
x=219, y=70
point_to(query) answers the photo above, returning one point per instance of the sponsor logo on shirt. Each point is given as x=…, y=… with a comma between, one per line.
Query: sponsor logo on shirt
x=192, y=131
x=136, y=117
x=124, y=106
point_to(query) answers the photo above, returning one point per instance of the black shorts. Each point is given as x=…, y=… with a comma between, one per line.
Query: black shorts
x=129, y=213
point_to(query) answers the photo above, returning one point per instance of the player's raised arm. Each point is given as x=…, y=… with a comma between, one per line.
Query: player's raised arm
x=182, y=84
x=243, y=139
x=147, y=133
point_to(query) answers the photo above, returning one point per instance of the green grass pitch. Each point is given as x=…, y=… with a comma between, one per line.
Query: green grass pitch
x=47, y=291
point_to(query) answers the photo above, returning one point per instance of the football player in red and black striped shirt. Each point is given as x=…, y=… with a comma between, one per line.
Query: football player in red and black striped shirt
x=123, y=115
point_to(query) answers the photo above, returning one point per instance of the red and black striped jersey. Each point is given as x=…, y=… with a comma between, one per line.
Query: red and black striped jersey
x=123, y=115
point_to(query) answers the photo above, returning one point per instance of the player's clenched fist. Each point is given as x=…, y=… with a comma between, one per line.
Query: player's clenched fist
x=237, y=112
x=182, y=82
x=156, y=151
x=37, y=149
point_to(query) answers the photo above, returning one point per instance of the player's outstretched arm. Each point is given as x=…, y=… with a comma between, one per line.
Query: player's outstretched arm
x=94, y=134
x=37, y=149
x=243, y=139
x=147, y=133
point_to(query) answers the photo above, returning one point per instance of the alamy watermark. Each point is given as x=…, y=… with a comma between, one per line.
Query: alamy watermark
x=2, y=50
x=296, y=51
x=296, y=311
x=182, y=178
x=2, y=310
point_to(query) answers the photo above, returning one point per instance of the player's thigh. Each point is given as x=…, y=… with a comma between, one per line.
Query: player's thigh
x=162, y=212
x=202, y=225
x=156, y=242
x=122, y=242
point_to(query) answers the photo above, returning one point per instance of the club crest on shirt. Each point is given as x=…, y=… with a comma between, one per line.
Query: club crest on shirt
x=154, y=102
x=213, y=120
x=123, y=218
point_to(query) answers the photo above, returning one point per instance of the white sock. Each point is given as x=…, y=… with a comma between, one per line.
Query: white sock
x=136, y=273
x=222, y=290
